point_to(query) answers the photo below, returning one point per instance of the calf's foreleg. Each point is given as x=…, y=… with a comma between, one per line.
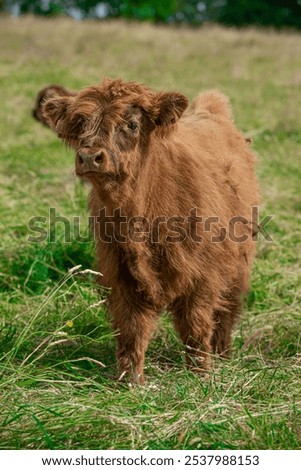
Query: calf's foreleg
x=134, y=326
x=193, y=319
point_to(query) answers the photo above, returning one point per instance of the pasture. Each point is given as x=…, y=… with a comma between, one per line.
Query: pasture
x=57, y=366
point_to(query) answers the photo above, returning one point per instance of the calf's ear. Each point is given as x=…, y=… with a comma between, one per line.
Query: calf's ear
x=169, y=107
x=54, y=111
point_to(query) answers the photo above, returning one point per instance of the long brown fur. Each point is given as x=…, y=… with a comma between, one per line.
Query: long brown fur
x=151, y=155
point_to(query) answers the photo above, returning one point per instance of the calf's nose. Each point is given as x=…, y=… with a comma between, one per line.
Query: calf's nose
x=89, y=162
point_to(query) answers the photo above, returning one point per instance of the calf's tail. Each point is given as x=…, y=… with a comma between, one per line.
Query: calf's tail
x=213, y=102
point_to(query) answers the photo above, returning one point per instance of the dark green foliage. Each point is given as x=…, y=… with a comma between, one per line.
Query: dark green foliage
x=277, y=13
x=262, y=12
x=36, y=266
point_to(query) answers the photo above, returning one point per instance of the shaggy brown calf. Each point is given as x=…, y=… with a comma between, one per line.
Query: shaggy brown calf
x=172, y=196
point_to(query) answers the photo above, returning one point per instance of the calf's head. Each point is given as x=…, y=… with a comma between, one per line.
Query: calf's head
x=110, y=125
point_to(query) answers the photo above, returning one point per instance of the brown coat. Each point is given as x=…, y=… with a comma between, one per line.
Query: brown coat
x=173, y=189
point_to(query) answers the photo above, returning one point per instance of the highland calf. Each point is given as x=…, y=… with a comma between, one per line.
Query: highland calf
x=173, y=187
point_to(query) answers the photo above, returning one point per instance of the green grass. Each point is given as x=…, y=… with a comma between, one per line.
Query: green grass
x=57, y=365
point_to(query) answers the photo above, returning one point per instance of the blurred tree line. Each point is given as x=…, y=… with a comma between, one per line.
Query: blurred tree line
x=277, y=13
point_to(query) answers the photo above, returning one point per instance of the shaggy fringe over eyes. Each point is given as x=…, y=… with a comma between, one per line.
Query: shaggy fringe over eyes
x=95, y=111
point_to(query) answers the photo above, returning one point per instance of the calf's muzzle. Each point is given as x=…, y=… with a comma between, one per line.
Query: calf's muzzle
x=87, y=162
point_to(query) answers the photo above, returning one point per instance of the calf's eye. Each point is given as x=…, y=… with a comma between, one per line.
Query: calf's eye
x=133, y=126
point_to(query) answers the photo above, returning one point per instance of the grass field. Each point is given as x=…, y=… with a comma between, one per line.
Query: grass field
x=56, y=347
